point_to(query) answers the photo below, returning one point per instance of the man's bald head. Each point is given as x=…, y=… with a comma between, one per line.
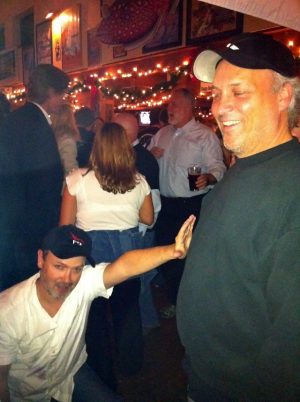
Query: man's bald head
x=130, y=124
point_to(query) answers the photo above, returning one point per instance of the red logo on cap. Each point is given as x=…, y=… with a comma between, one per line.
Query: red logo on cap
x=77, y=240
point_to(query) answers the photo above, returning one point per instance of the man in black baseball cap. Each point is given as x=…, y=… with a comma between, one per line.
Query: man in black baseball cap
x=238, y=307
x=43, y=319
x=249, y=50
x=69, y=241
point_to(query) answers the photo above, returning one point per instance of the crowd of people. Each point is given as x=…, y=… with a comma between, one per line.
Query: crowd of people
x=90, y=214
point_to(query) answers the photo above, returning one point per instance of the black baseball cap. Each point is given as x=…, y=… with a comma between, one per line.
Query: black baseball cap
x=248, y=50
x=69, y=241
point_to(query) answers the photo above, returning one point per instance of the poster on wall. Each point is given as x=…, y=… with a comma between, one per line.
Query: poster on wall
x=2, y=37
x=71, y=38
x=28, y=61
x=129, y=28
x=168, y=30
x=94, y=48
x=206, y=21
x=7, y=65
x=44, y=42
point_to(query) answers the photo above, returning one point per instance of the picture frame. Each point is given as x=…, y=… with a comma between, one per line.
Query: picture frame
x=2, y=37
x=28, y=62
x=206, y=21
x=93, y=47
x=168, y=31
x=43, y=32
x=7, y=64
x=119, y=51
x=71, y=43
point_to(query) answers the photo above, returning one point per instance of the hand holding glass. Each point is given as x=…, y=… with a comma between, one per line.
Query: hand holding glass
x=193, y=173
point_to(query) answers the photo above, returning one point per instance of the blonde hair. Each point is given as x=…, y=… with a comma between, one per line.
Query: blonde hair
x=63, y=122
x=113, y=159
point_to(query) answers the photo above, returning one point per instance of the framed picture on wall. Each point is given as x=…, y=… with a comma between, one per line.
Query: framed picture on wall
x=2, y=37
x=94, y=48
x=28, y=61
x=167, y=32
x=71, y=38
x=44, y=42
x=119, y=51
x=7, y=65
x=206, y=21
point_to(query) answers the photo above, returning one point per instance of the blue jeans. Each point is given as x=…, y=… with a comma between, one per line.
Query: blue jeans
x=88, y=387
x=108, y=245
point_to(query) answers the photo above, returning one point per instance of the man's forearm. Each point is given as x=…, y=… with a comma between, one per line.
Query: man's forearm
x=137, y=262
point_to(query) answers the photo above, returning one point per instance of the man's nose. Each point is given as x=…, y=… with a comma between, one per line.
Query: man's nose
x=67, y=275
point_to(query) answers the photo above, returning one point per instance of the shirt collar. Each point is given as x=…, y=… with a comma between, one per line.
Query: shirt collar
x=44, y=112
x=186, y=127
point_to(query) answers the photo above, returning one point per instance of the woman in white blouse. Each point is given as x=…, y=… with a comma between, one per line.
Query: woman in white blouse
x=108, y=200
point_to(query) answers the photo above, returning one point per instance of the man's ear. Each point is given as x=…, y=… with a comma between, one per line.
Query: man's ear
x=285, y=94
x=40, y=259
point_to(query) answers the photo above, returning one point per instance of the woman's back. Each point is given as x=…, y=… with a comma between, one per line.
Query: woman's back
x=98, y=209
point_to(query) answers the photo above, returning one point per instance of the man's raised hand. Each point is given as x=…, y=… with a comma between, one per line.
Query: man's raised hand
x=184, y=237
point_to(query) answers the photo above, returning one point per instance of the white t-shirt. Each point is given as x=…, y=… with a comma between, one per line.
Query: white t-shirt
x=100, y=210
x=46, y=352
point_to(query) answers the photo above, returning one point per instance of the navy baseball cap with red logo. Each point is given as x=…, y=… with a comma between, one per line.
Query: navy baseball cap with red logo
x=68, y=241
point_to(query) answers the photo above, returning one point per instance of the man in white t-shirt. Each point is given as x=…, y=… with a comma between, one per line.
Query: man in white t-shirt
x=43, y=319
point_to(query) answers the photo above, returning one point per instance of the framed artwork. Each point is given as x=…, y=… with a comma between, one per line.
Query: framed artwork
x=44, y=42
x=7, y=65
x=94, y=48
x=206, y=21
x=168, y=30
x=119, y=51
x=28, y=61
x=71, y=38
x=2, y=37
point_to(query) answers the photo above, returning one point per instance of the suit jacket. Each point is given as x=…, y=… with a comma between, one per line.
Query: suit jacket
x=31, y=176
x=147, y=165
x=84, y=147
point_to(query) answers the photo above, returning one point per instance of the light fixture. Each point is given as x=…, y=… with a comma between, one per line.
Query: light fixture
x=49, y=15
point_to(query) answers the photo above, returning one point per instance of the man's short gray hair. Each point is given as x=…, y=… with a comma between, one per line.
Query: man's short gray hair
x=294, y=107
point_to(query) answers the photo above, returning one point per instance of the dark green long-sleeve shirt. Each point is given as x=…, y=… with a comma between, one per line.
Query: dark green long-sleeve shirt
x=238, y=308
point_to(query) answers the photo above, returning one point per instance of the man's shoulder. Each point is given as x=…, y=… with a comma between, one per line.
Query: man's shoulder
x=86, y=135
x=147, y=165
x=14, y=300
x=162, y=137
x=165, y=130
x=24, y=117
x=144, y=153
x=27, y=109
x=197, y=128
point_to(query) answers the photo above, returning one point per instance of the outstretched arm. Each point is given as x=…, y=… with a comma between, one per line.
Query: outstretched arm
x=137, y=262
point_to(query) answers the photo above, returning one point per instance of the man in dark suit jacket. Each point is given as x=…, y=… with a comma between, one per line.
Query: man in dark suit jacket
x=85, y=119
x=146, y=164
x=31, y=175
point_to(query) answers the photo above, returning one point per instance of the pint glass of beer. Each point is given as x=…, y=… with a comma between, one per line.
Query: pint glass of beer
x=194, y=172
